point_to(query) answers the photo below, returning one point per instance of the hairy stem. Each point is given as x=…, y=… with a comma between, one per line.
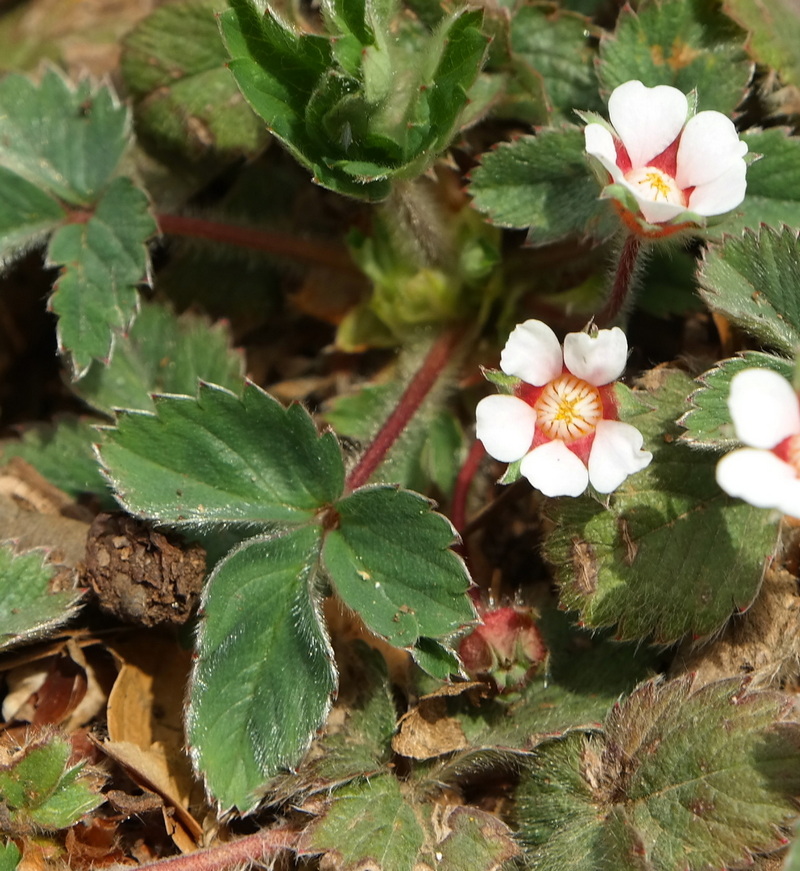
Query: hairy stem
x=458, y=510
x=421, y=384
x=624, y=279
x=257, y=848
x=267, y=241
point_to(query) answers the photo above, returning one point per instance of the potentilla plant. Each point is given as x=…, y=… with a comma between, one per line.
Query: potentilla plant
x=558, y=426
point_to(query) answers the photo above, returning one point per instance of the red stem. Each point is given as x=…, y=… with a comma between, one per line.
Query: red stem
x=623, y=280
x=257, y=848
x=424, y=379
x=268, y=241
x=458, y=511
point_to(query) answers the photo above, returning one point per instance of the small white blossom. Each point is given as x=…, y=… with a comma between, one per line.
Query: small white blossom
x=766, y=416
x=561, y=421
x=669, y=162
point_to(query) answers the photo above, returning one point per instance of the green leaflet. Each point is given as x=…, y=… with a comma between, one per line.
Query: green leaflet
x=708, y=423
x=753, y=281
x=28, y=610
x=220, y=459
x=389, y=560
x=682, y=43
x=264, y=676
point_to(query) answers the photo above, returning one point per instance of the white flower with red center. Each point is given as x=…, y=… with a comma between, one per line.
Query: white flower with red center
x=561, y=421
x=668, y=162
x=766, y=416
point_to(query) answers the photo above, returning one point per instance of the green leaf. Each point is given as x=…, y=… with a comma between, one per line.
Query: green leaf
x=679, y=780
x=687, y=44
x=357, y=113
x=9, y=856
x=67, y=141
x=162, y=353
x=221, y=459
x=753, y=281
x=773, y=183
x=708, y=422
x=174, y=63
x=40, y=790
x=368, y=824
x=389, y=560
x=102, y=260
x=642, y=563
x=28, y=610
x=264, y=676
x=435, y=659
x=556, y=44
x=62, y=452
x=543, y=183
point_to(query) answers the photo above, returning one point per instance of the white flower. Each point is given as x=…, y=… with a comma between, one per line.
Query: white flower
x=766, y=416
x=561, y=421
x=669, y=164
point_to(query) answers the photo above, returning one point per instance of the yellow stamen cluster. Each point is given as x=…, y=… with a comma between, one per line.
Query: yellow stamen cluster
x=655, y=185
x=568, y=408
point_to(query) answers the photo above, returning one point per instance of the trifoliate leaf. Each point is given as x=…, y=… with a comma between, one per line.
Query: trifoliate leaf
x=62, y=453
x=264, y=676
x=643, y=563
x=556, y=44
x=378, y=98
x=220, y=459
x=39, y=789
x=543, y=183
x=679, y=780
x=102, y=261
x=389, y=560
x=174, y=63
x=65, y=140
x=753, y=281
x=28, y=610
x=367, y=824
x=682, y=44
x=773, y=183
x=162, y=353
x=708, y=423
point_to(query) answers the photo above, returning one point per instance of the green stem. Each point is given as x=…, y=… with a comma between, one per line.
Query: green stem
x=267, y=241
x=624, y=279
x=421, y=384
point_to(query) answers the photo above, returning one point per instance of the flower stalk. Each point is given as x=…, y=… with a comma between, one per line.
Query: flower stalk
x=624, y=280
x=423, y=381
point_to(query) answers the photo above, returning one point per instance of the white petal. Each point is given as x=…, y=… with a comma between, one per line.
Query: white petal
x=616, y=453
x=506, y=425
x=532, y=353
x=555, y=470
x=654, y=211
x=763, y=407
x=597, y=359
x=647, y=119
x=600, y=144
x=760, y=478
x=709, y=146
x=721, y=195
